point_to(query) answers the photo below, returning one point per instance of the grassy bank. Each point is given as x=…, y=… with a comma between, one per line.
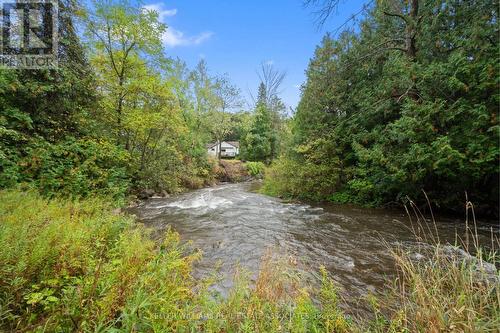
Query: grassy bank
x=77, y=266
x=80, y=266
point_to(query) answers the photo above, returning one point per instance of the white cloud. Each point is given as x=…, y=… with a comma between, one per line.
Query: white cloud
x=162, y=13
x=173, y=37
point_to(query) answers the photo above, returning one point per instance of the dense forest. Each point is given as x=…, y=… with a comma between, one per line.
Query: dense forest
x=119, y=115
x=407, y=101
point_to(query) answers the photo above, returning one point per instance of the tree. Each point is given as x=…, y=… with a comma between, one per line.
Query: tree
x=272, y=79
x=125, y=38
x=220, y=127
x=146, y=102
x=215, y=98
x=267, y=102
x=259, y=140
x=406, y=103
x=45, y=107
x=228, y=98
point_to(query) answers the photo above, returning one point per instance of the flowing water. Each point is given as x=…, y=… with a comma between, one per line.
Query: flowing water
x=233, y=225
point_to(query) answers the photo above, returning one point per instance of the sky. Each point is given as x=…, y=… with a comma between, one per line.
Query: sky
x=236, y=37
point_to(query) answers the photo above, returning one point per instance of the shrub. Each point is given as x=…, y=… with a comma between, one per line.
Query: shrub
x=288, y=178
x=74, y=266
x=173, y=171
x=255, y=169
x=76, y=168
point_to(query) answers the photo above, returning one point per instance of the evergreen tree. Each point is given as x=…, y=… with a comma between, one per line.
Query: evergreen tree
x=408, y=103
x=259, y=140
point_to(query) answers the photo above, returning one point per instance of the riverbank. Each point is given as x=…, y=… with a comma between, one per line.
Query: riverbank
x=297, y=180
x=78, y=266
x=70, y=266
x=221, y=171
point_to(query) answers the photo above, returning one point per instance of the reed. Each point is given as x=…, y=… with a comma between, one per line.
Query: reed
x=446, y=288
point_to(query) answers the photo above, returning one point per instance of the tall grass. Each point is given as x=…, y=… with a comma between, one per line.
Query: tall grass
x=445, y=288
x=76, y=266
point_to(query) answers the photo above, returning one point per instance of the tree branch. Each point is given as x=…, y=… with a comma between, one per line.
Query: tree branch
x=397, y=15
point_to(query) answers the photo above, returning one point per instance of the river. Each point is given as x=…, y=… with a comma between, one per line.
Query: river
x=234, y=225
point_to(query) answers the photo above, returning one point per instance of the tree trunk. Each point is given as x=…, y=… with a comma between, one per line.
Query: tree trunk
x=411, y=47
x=144, y=148
x=119, y=109
x=411, y=31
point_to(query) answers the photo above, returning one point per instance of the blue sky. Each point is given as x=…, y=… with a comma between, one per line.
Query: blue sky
x=235, y=37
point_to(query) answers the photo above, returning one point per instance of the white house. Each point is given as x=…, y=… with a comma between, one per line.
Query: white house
x=227, y=148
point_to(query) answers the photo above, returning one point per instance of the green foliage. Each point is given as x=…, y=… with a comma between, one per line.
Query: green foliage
x=255, y=169
x=257, y=145
x=122, y=124
x=264, y=135
x=44, y=118
x=392, y=119
x=74, y=266
x=77, y=168
x=142, y=98
x=288, y=178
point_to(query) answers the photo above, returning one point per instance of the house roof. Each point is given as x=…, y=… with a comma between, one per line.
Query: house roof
x=232, y=143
